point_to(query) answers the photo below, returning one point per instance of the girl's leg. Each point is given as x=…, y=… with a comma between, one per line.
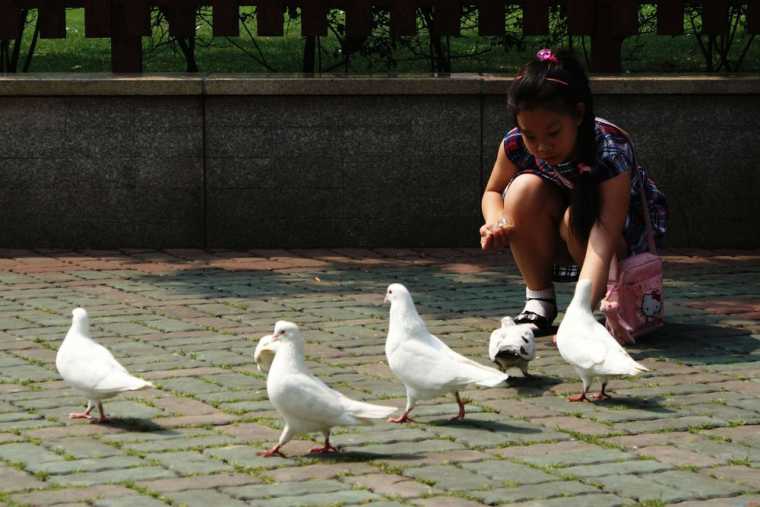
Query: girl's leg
x=535, y=207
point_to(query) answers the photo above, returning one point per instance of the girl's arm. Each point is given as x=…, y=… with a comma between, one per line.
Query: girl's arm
x=492, y=203
x=606, y=236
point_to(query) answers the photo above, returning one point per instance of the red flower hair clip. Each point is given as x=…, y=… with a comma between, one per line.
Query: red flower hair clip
x=546, y=55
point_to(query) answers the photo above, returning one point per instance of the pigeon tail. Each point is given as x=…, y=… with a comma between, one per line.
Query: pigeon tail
x=363, y=410
x=494, y=380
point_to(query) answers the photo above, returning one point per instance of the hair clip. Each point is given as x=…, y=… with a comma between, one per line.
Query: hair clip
x=545, y=55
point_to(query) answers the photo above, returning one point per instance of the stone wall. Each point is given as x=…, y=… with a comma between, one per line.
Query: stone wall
x=244, y=162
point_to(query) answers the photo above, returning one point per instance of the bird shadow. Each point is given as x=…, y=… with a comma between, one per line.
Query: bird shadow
x=482, y=424
x=349, y=456
x=137, y=425
x=534, y=385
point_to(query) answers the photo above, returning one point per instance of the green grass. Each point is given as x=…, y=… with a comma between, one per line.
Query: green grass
x=75, y=53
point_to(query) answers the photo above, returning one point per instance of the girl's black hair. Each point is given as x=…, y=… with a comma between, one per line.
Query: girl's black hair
x=560, y=86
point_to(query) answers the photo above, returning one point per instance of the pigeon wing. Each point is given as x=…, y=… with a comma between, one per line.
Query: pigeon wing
x=433, y=366
x=93, y=368
x=584, y=351
x=302, y=396
x=617, y=361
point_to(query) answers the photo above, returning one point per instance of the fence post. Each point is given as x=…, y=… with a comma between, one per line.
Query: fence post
x=10, y=17
x=491, y=17
x=403, y=18
x=127, y=27
x=358, y=19
x=269, y=18
x=669, y=17
x=52, y=15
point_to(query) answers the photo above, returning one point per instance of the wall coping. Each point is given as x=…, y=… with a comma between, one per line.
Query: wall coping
x=70, y=84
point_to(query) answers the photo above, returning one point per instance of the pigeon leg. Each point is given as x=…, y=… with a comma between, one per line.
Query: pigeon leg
x=326, y=449
x=103, y=417
x=525, y=373
x=582, y=396
x=405, y=416
x=402, y=418
x=460, y=415
x=285, y=437
x=602, y=395
x=83, y=415
x=274, y=451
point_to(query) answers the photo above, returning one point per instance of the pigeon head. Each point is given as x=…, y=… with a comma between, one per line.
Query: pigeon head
x=285, y=331
x=79, y=319
x=397, y=292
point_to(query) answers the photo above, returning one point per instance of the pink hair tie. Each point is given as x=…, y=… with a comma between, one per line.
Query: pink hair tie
x=545, y=55
x=584, y=168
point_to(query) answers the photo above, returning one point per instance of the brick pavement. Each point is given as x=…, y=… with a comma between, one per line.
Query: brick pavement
x=685, y=434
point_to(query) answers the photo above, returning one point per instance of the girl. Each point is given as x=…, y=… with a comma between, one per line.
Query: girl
x=564, y=174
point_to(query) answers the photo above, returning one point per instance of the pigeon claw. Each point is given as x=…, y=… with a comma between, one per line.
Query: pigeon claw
x=274, y=451
x=601, y=397
x=80, y=415
x=578, y=397
x=404, y=418
x=327, y=449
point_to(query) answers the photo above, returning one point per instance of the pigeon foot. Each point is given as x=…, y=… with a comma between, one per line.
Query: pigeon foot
x=327, y=449
x=403, y=418
x=274, y=451
x=80, y=415
x=578, y=397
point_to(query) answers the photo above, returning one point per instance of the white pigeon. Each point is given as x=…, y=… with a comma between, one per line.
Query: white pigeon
x=512, y=345
x=264, y=353
x=90, y=368
x=589, y=347
x=306, y=403
x=427, y=366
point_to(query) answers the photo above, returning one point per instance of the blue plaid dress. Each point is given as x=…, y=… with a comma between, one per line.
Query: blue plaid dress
x=615, y=155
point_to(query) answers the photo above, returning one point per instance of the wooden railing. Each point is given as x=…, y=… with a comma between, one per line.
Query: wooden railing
x=607, y=22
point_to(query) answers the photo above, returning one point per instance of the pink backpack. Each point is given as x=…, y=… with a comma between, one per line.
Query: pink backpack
x=634, y=304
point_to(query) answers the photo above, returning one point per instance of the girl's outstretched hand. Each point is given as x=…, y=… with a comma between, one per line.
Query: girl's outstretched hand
x=493, y=236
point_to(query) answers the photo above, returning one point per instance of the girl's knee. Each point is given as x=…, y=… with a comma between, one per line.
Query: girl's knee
x=528, y=196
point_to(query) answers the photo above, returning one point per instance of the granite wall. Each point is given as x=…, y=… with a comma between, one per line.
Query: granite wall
x=243, y=162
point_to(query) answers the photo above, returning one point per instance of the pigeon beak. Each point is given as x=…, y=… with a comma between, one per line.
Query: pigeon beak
x=386, y=300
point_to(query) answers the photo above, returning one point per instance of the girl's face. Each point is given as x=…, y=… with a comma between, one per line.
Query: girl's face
x=549, y=135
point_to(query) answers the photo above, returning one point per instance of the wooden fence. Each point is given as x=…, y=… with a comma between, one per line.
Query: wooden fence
x=607, y=22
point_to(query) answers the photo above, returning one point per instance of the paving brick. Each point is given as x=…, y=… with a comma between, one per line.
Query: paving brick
x=564, y=453
x=696, y=484
x=505, y=471
x=203, y=498
x=59, y=496
x=318, y=471
x=129, y=501
x=596, y=500
x=532, y=492
x=392, y=485
x=15, y=480
x=449, y=477
x=111, y=476
x=199, y=482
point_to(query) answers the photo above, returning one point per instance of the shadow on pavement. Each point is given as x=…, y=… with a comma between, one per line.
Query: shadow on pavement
x=138, y=425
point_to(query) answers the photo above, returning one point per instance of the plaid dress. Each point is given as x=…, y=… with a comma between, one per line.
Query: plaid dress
x=615, y=155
